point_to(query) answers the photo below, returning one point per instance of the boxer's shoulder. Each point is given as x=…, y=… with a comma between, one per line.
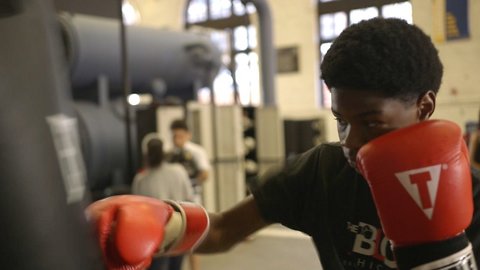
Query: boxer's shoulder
x=331, y=154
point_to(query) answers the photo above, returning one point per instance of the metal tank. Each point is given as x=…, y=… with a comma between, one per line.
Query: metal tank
x=180, y=59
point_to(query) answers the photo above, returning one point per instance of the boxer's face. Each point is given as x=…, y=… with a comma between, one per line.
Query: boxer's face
x=362, y=116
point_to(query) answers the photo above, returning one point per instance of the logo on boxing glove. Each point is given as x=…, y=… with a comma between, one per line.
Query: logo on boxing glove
x=422, y=186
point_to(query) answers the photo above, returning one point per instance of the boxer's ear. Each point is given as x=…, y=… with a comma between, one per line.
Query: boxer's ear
x=426, y=105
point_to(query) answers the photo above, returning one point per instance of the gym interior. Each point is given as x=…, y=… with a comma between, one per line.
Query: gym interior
x=84, y=82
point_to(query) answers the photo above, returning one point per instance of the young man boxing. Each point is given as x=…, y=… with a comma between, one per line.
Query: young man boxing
x=420, y=198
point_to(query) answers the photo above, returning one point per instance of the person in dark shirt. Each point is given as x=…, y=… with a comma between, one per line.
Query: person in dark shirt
x=384, y=75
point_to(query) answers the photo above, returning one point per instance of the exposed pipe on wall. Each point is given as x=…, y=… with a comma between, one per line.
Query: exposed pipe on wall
x=267, y=51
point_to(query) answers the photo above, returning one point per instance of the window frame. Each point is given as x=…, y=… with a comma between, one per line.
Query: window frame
x=345, y=6
x=225, y=24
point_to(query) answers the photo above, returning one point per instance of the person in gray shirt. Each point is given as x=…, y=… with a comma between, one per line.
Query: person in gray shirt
x=162, y=180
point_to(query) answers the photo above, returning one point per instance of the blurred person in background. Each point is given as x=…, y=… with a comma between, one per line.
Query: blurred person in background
x=162, y=180
x=194, y=159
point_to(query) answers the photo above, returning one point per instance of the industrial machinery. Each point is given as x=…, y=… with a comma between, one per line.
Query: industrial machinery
x=162, y=63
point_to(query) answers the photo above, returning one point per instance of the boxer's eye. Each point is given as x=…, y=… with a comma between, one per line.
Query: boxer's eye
x=374, y=124
x=340, y=122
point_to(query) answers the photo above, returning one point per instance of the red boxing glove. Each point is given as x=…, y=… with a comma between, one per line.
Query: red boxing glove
x=421, y=184
x=132, y=229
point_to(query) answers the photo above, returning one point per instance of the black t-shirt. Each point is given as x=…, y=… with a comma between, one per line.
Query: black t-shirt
x=319, y=194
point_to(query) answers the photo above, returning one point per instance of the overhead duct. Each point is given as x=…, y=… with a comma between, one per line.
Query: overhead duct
x=179, y=59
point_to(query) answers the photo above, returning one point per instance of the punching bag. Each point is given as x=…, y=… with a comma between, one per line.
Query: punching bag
x=42, y=193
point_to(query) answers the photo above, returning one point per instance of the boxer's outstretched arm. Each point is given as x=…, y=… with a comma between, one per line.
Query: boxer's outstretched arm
x=232, y=226
x=131, y=229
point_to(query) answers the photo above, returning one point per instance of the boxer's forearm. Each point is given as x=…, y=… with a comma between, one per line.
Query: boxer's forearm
x=232, y=226
x=218, y=238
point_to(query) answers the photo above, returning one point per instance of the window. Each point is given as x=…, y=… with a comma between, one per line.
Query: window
x=130, y=12
x=227, y=22
x=335, y=15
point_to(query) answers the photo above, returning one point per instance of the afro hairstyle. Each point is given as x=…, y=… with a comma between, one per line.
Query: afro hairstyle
x=387, y=56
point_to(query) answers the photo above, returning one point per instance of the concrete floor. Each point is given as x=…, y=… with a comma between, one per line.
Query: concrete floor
x=274, y=248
